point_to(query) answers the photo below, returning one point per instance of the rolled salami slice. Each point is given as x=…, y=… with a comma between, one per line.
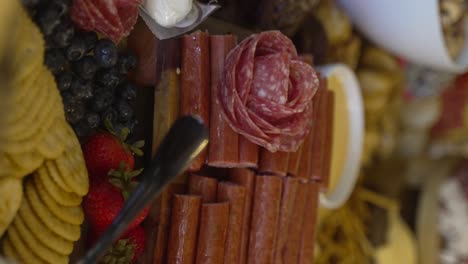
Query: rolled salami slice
x=183, y=229
x=235, y=195
x=212, y=233
x=195, y=82
x=310, y=221
x=265, y=216
x=206, y=187
x=274, y=163
x=246, y=178
x=327, y=156
x=288, y=198
x=223, y=150
x=293, y=244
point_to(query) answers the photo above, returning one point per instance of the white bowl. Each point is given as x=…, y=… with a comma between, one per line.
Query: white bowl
x=408, y=28
x=348, y=106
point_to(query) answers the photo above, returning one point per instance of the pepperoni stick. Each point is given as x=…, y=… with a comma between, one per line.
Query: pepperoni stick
x=310, y=220
x=265, y=215
x=223, y=150
x=183, y=229
x=235, y=195
x=288, y=198
x=246, y=178
x=248, y=153
x=294, y=160
x=328, y=141
x=195, y=82
x=161, y=217
x=293, y=244
x=206, y=187
x=274, y=163
x=212, y=233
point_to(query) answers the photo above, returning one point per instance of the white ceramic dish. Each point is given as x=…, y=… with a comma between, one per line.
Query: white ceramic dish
x=354, y=113
x=411, y=29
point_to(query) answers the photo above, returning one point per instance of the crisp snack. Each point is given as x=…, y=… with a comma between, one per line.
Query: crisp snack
x=11, y=192
x=52, y=144
x=71, y=165
x=27, y=162
x=9, y=168
x=56, y=176
x=35, y=245
x=23, y=251
x=41, y=232
x=9, y=250
x=70, y=214
x=60, y=196
x=65, y=230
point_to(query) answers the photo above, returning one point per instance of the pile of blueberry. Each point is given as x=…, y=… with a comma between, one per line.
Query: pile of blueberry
x=90, y=72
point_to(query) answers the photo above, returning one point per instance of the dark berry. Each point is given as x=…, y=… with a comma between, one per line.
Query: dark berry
x=67, y=98
x=48, y=18
x=126, y=63
x=82, y=129
x=107, y=78
x=63, y=35
x=55, y=60
x=30, y=3
x=76, y=50
x=64, y=80
x=74, y=111
x=93, y=120
x=110, y=114
x=86, y=67
x=102, y=100
x=105, y=53
x=124, y=111
x=62, y=6
x=82, y=89
x=126, y=91
x=89, y=39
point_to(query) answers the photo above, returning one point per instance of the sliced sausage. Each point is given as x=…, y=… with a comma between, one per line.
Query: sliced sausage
x=206, y=187
x=274, y=163
x=309, y=226
x=248, y=153
x=319, y=136
x=328, y=141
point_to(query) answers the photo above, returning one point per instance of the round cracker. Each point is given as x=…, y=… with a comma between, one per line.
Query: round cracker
x=41, y=232
x=70, y=214
x=11, y=193
x=9, y=250
x=72, y=166
x=60, y=196
x=55, y=175
x=36, y=246
x=20, y=246
x=59, y=227
x=27, y=162
x=52, y=144
x=8, y=167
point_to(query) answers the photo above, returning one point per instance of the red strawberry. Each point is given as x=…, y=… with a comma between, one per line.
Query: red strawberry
x=104, y=151
x=105, y=199
x=128, y=248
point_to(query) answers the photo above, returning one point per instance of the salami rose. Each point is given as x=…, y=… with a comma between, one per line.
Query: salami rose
x=266, y=92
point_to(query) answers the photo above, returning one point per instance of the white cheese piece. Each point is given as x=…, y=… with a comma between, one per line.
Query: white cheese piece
x=168, y=13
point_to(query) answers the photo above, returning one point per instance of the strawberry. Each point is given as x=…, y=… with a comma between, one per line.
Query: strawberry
x=105, y=199
x=104, y=151
x=128, y=248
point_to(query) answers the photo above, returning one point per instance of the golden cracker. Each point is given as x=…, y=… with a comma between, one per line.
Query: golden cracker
x=70, y=214
x=9, y=250
x=55, y=175
x=72, y=166
x=52, y=144
x=11, y=193
x=41, y=232
x=8, y=167
x=60, y=196
x=36, y=246
x=28, y=162
x=21, y=247
x=59, y=227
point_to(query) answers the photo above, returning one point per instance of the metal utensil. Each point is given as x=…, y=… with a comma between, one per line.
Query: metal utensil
x=185, y=140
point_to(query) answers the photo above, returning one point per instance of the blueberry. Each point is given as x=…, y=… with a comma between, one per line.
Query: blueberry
x=68, y=98
x=105, y=53
x=64, y=80
x=89, y=39
x=74, y=111
x=82, y=89
x=82, y=129
x=55, y=60
x=62, y=6
x=127, y=91
x=126, y=62
x=110, y=114
x=30, y=3
x=48, y=18
x=93, y=120
x=102, y=100
x=76, y=50
x=124, y=110
x=107, y=78
x=86, y=67
x=63, y=35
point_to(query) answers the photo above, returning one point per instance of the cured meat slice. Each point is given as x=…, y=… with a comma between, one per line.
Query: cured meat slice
x=273, y=163
x=248, y=153
x=306, y=254
x=206, y=187
x=266, y=92
x=82, y=16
